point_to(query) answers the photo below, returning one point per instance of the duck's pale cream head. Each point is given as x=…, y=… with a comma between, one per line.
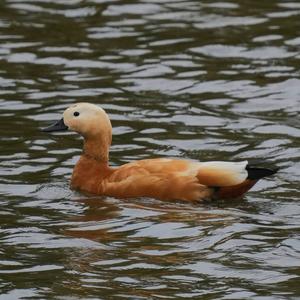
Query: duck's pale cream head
x=89, y=120
x=92, y=123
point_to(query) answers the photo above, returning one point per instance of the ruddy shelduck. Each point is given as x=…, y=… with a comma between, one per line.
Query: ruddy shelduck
x=161, y=178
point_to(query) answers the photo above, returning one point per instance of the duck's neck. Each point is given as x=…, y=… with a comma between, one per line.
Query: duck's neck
x=92, y=166
x=97, y=148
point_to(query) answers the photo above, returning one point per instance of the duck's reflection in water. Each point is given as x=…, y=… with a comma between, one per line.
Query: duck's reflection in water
x=153, y=245
x=106, y=218
x=147, y=228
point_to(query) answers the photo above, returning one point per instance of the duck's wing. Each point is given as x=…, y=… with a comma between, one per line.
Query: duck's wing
x=156, y=178
x=214, y=173
x=158, y=166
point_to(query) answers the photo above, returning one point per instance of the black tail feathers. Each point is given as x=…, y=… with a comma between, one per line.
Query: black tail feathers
x=257, y=173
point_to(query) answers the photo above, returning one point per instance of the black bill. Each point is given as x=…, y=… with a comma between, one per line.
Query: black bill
x=58, y=126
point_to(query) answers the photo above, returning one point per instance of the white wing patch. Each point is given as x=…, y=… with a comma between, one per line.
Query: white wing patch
x=232, y=172
x=219, y=173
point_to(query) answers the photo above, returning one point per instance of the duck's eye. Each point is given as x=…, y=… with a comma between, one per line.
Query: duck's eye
x=76, y=114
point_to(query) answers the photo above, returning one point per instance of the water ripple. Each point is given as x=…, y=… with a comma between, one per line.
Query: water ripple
x=190, y=79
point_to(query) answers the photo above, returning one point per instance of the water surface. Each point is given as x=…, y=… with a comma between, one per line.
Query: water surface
x=200, y=80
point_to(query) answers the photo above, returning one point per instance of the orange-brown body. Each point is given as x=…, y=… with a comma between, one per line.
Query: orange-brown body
x=165, y=179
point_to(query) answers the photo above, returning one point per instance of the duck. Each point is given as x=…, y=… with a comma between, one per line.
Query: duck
x=160, y=178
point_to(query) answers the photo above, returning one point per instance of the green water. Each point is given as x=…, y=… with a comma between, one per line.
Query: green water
x=192, y=79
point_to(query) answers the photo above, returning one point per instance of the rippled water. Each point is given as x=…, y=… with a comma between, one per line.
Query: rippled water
x=193, y=79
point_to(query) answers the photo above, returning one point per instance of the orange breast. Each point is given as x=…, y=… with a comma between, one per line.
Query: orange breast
x=88, y=175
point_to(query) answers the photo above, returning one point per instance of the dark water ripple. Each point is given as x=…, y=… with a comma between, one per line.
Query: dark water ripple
x=195, y=79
